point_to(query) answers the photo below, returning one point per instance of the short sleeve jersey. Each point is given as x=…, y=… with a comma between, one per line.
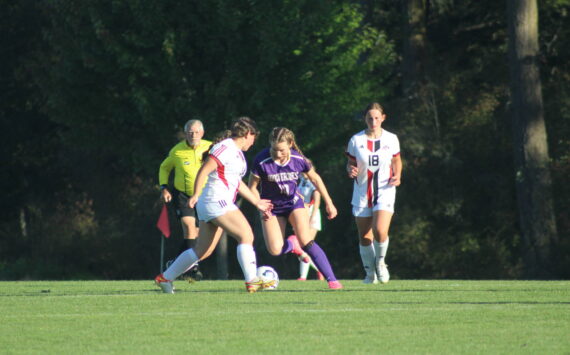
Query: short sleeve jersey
x=373, y=159
x=279, y=182
x=186, y=161
x=306, y=188
x=223, y=183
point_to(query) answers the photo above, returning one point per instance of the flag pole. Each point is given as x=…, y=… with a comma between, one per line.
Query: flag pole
x=164, y=226
x=161, y=253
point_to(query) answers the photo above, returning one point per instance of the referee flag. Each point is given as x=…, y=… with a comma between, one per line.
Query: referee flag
x=163, y=224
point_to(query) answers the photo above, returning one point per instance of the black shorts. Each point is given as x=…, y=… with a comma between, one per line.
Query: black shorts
x=180, y=200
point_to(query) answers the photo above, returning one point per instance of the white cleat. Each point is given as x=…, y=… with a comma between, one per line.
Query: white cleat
x=165, y=285
x=383, y=273
x=370, y=279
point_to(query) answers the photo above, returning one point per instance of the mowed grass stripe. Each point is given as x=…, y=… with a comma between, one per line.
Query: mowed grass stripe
x=404, y=316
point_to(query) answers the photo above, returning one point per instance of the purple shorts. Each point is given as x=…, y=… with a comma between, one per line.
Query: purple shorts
x=285, y=209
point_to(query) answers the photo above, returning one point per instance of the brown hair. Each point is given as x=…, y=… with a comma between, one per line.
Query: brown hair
x=241, y=126
x=373, y=106
x=282, y=134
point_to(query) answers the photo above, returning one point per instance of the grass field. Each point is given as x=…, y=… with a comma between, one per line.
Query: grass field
x=219, y=317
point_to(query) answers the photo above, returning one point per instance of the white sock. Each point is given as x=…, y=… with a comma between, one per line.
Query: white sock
x=247, y=261
x=381, y=250
x=368, y=256
x=303, y=269
x=183, y=262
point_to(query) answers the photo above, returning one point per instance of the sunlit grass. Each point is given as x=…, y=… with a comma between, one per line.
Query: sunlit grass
x=299, y=317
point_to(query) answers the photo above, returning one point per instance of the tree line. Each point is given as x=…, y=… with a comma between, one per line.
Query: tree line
x=95, y=94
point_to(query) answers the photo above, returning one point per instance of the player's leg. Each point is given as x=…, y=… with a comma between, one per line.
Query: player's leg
x=273, y=234
x=190, y=234
x=303, y=270
x=365, y=243
x=381, y=226
x=382, y=217
x=236, y=225
x=299, y=220
x=306, y=263
x=315, y=226
x=184, y=261
x=188, y=258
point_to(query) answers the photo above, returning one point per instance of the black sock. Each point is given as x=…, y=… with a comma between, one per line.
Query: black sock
x=186, y=244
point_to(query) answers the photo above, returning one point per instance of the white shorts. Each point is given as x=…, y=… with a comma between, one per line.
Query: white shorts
x=317, y=221
x=210, y=210
x=386, y=201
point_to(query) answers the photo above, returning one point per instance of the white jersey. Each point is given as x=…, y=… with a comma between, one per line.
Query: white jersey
x=222, y=185
x=373, y=159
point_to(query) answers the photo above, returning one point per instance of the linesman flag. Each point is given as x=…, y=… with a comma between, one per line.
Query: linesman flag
x=163, y=224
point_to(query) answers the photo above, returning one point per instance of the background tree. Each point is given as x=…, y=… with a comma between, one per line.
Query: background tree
x=95, y=93
x=532, y=172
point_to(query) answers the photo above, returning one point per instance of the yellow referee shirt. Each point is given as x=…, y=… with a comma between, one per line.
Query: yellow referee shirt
x=186, y=162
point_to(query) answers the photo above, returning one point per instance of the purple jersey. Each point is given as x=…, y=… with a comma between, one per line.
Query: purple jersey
x=279, y=182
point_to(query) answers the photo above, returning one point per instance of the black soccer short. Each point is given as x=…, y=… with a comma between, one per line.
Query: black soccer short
x=180, y=200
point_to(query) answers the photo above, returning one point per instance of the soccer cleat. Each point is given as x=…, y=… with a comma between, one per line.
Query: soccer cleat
x=301, y=279
x=267, y=284
x=164, y=284
x=320, y=276
x=297, y=249
x=335, y=285
x=254, y=285
x=194, y=274
x=383, y=273
x=370, y=279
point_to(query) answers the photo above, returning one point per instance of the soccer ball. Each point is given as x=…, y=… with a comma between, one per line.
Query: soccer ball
x=266, y=274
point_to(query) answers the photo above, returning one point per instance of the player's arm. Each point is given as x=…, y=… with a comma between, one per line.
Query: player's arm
x=253, y=197
x=253, y=184
x=206, y=168
x=163, y=173
x=351, y=166
x=320, y=185
x=395, y=179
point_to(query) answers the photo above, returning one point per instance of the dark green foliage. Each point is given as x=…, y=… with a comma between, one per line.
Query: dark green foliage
x=96, y=93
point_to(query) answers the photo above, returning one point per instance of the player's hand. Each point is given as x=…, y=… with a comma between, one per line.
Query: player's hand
x=395, y=180
x=266, y=215
x=331, y=211
x=165, y=196
x=352, y=171
x=192, y=201
x=264, y=205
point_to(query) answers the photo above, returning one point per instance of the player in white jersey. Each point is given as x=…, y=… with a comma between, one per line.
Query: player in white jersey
x=224, y=168
x=375, y=165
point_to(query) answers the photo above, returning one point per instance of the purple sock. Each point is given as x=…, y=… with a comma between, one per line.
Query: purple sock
x=320, y=259
x=287, y=247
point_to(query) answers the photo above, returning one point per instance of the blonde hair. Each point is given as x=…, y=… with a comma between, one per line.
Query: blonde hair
x=282, y=134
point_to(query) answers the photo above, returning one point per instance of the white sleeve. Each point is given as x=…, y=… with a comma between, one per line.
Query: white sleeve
x=396, y=149
x=351, y=148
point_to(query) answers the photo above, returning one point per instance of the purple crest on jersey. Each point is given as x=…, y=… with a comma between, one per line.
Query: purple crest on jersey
x=279, y=182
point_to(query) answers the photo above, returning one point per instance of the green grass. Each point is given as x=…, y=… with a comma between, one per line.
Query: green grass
x=300, y=317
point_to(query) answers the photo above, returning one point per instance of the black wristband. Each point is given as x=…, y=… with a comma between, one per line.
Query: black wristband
x=163, y=187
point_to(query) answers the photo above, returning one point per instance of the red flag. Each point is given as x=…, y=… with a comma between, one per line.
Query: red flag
x=163, y=224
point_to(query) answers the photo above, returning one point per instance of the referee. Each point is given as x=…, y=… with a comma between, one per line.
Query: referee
x=186, y=159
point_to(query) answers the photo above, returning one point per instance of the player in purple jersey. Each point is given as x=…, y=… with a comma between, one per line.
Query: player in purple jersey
x=276, y=171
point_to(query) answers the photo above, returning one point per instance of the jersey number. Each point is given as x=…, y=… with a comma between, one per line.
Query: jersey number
x=284, y=189
x=373, y=160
